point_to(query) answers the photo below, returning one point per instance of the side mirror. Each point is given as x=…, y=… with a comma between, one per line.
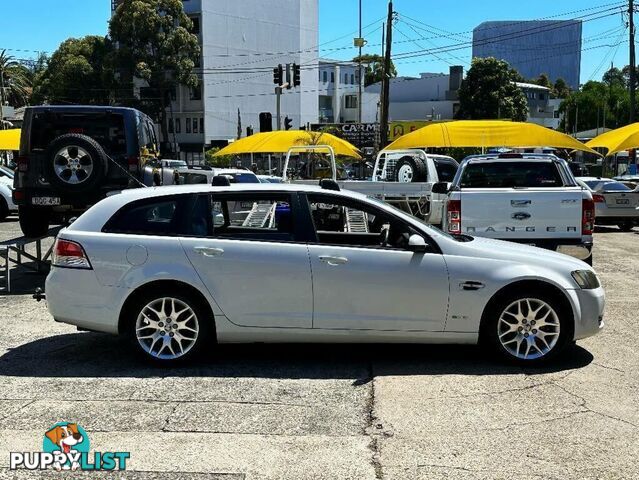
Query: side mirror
x=441, y=187
x=417, y=244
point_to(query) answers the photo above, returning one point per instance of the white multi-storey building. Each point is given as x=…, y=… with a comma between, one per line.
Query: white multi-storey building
x=242, y=41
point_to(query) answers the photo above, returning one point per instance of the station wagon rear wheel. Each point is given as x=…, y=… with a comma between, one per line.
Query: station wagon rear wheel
x=168, y=327
x=528, y=328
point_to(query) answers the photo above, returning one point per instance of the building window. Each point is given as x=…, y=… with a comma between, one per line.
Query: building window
x=346, y=78
x=196, y=92
x=332, y=77
x=541, y=96
x=352, y=79
x=178, y=125
x=196, y=25
x=170, y=125
x=350, y=101
x=202, y=125
x=324, y=76
x=188, y=125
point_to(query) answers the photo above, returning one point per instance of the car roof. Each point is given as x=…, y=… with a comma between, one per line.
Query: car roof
x=538, y=157
x=596, y=179
x=84, y=108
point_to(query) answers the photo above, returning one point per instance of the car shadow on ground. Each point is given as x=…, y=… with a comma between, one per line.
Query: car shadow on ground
x=106, y=356
x=605, y=229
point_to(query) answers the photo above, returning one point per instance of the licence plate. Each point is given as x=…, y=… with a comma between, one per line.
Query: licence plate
x=45, y=201
x=623, y=201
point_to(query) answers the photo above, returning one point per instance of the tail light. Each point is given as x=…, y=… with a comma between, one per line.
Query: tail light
x=133, y=161
x=587, y=216
x=23, y=163
x=598, y=198
x=69, y=254
x=453, y=210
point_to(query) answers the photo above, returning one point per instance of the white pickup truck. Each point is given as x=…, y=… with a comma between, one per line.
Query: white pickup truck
x=524, y=198
x=403, y=178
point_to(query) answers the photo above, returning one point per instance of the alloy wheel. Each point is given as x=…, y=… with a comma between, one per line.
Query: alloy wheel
x=73, y=164
x=167, y=328
x=528, y=328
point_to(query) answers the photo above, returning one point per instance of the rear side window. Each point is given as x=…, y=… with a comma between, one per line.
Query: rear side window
x=245, y=216
x=445, y=171
x=159, y=217
x=515, y=174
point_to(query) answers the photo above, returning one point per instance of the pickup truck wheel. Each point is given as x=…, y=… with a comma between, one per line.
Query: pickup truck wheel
x=75, y=163
x=410, y=169
x=34, y=222
x=168, y=327
x=528, y=328
x=626, y=226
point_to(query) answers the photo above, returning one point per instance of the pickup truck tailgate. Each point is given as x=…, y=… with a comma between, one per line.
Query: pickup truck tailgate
x=527, y=213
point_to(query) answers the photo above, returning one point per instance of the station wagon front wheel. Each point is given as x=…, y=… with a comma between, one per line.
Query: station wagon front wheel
x=528, y=329
x=168, y=327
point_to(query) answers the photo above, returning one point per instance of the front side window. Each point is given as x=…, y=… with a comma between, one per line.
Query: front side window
x=149, y=217
x=446, y=171
x=247, y=216
x=340, y=221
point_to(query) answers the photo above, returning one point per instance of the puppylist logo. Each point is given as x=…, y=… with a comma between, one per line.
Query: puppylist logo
x=66, y=447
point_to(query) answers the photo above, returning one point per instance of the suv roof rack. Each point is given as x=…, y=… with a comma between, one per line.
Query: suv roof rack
x=329, y=184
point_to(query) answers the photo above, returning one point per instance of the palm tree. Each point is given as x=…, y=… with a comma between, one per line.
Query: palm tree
x=15, y=85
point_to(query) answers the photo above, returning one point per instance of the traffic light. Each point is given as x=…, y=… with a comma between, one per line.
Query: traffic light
x=249, y=130
x=266, y=122
x=297, y=75
x=289, y=84
x=277, y=74
x=288, y=123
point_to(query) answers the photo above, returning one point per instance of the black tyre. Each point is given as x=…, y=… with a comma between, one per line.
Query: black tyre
x=528, y=328
x=168, y=326
x=75, y=163
x=410, y=169
x=626, y=226
x=34, y=221
x=4, y=209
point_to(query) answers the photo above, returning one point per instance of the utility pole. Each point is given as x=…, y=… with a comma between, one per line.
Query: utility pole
x=633, y=79
x=360, y=42
x=383, y=126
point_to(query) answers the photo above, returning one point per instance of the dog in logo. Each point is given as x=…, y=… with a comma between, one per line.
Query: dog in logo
x=66, y=437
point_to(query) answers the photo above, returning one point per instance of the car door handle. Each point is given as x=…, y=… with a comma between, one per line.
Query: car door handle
x=209, y=251
x=333, y=260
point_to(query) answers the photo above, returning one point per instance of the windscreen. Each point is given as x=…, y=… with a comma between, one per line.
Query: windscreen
x=516, y=174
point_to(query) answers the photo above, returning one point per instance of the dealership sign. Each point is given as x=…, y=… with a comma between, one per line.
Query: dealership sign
x=359, y=134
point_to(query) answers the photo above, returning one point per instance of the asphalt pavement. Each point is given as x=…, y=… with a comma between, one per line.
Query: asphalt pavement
x=330, y=411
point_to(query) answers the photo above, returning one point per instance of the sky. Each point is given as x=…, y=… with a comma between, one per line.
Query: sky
x=28, y=26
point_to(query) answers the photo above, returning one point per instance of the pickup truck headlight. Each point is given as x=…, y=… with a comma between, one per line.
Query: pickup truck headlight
x=586, y=279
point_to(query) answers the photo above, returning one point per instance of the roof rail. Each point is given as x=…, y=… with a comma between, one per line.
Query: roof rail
x=329, y=184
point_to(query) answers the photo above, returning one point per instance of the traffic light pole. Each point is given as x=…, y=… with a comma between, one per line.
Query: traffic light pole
x=278, y=106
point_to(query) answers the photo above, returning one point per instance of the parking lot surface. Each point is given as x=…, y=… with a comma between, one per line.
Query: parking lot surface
x=331, y=411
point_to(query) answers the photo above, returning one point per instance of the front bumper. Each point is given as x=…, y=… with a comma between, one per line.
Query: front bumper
x=577, y=248
x=589, y=310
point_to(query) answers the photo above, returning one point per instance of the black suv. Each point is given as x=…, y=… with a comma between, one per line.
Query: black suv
x=72, y=156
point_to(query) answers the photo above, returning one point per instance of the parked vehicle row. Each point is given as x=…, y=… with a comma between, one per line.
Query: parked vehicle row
x=615, y=202
x=176, y=269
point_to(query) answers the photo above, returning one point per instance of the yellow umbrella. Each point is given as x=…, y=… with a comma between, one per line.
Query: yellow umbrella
x=10, y=139
x=486, y=133
x=281, y=141
x=624, y=138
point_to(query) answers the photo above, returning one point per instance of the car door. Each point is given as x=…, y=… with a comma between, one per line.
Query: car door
x=360, y=283
x=244, y=246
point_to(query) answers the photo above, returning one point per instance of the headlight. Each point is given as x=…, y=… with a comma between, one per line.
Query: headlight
x=586, y=279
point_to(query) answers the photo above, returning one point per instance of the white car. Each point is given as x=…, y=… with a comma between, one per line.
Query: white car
x=615, y=203
x=176, y=269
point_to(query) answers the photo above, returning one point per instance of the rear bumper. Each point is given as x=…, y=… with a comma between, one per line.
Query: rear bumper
x=76, y=297
x=577, y=248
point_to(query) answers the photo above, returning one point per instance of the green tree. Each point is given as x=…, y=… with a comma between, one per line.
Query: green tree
x=15, y=86
x=489, y=92
x=155, y=44
x=543, y=80
x=561, y=88
x=614, y=76
x=596, y=104
x=79, y=71
x=374, y=68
